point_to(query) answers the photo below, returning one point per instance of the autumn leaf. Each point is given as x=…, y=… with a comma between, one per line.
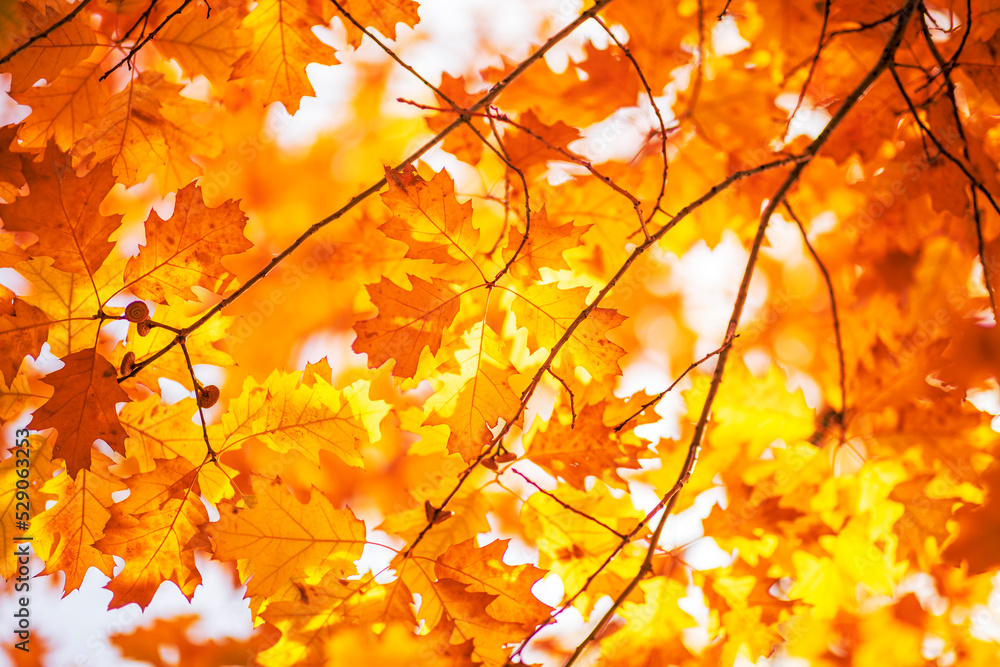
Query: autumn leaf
x=283, y=44
x=316, y=611
x=483, y=571
x=585, y=447
x=281, y=540
x=204, y=45
x=64, y=211
x=159, y=546
x=972, y=543
x=67, y=531
x=186, y=249
x=475, y=393
x=383, y=16
x=408, y=322
x=148, y=644
x=547, y=312
x=46, y=58
x=543, y=247
x=286, y=415
x=61, y=110
x=429, y=219
x=141, y=134
x=23, y=331
x=69, y=301
x=83, y=409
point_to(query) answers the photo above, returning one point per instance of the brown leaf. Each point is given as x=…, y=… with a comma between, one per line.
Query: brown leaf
x=63, y=209
x=82, y=409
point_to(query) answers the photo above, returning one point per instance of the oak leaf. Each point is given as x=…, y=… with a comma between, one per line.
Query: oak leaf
x=282, y=540
x=61, y=110
x=60, y=49
x=157, y=546
x=204, y=45
x=23, y=331
x=383, y=16
x=428, y=218
x=187, y=249
x=547, y=313
x=287, y=415
x=283, y=44
x=408, y=321
x=153, y=645
x=475, y=393
x=66, y=532
x=69, y=300
x=63, y=209
x=148, y=128
x=544, y=248
x=82, y=409
x=586, y=447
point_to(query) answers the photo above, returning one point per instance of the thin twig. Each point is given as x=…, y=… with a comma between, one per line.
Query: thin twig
x=141, y=43
x=197, y=392
x=946, y=73
x=724, y=11
x=812, y=66
x=567, y=505
x=975, y=183
x=575, y=159
x=572, y=407
x=836, y=319
x=699, y=72
x=656, y=399
x=45, y=33
x=644, y=569
x=656, y=110
x=143, y=19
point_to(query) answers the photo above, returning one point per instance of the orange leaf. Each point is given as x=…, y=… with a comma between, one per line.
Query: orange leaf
x=475, y=394
x=428, y=218
x=281, y=540
x=545, y=246
x=158, y=546
x=147, y=644
x=383, y=15
x=407, y=322
x=63, y=209
x=45, y=58
x=66, y=532
x=201, y=45
x=547, y=312
x=142, y=134
x=587, y=448
x=82, y=409
x=283, y=44
x=22, y=333
x=975, y=542
x=536, y=146
x=187, y=249
x=482, y=570
x=62, y=109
